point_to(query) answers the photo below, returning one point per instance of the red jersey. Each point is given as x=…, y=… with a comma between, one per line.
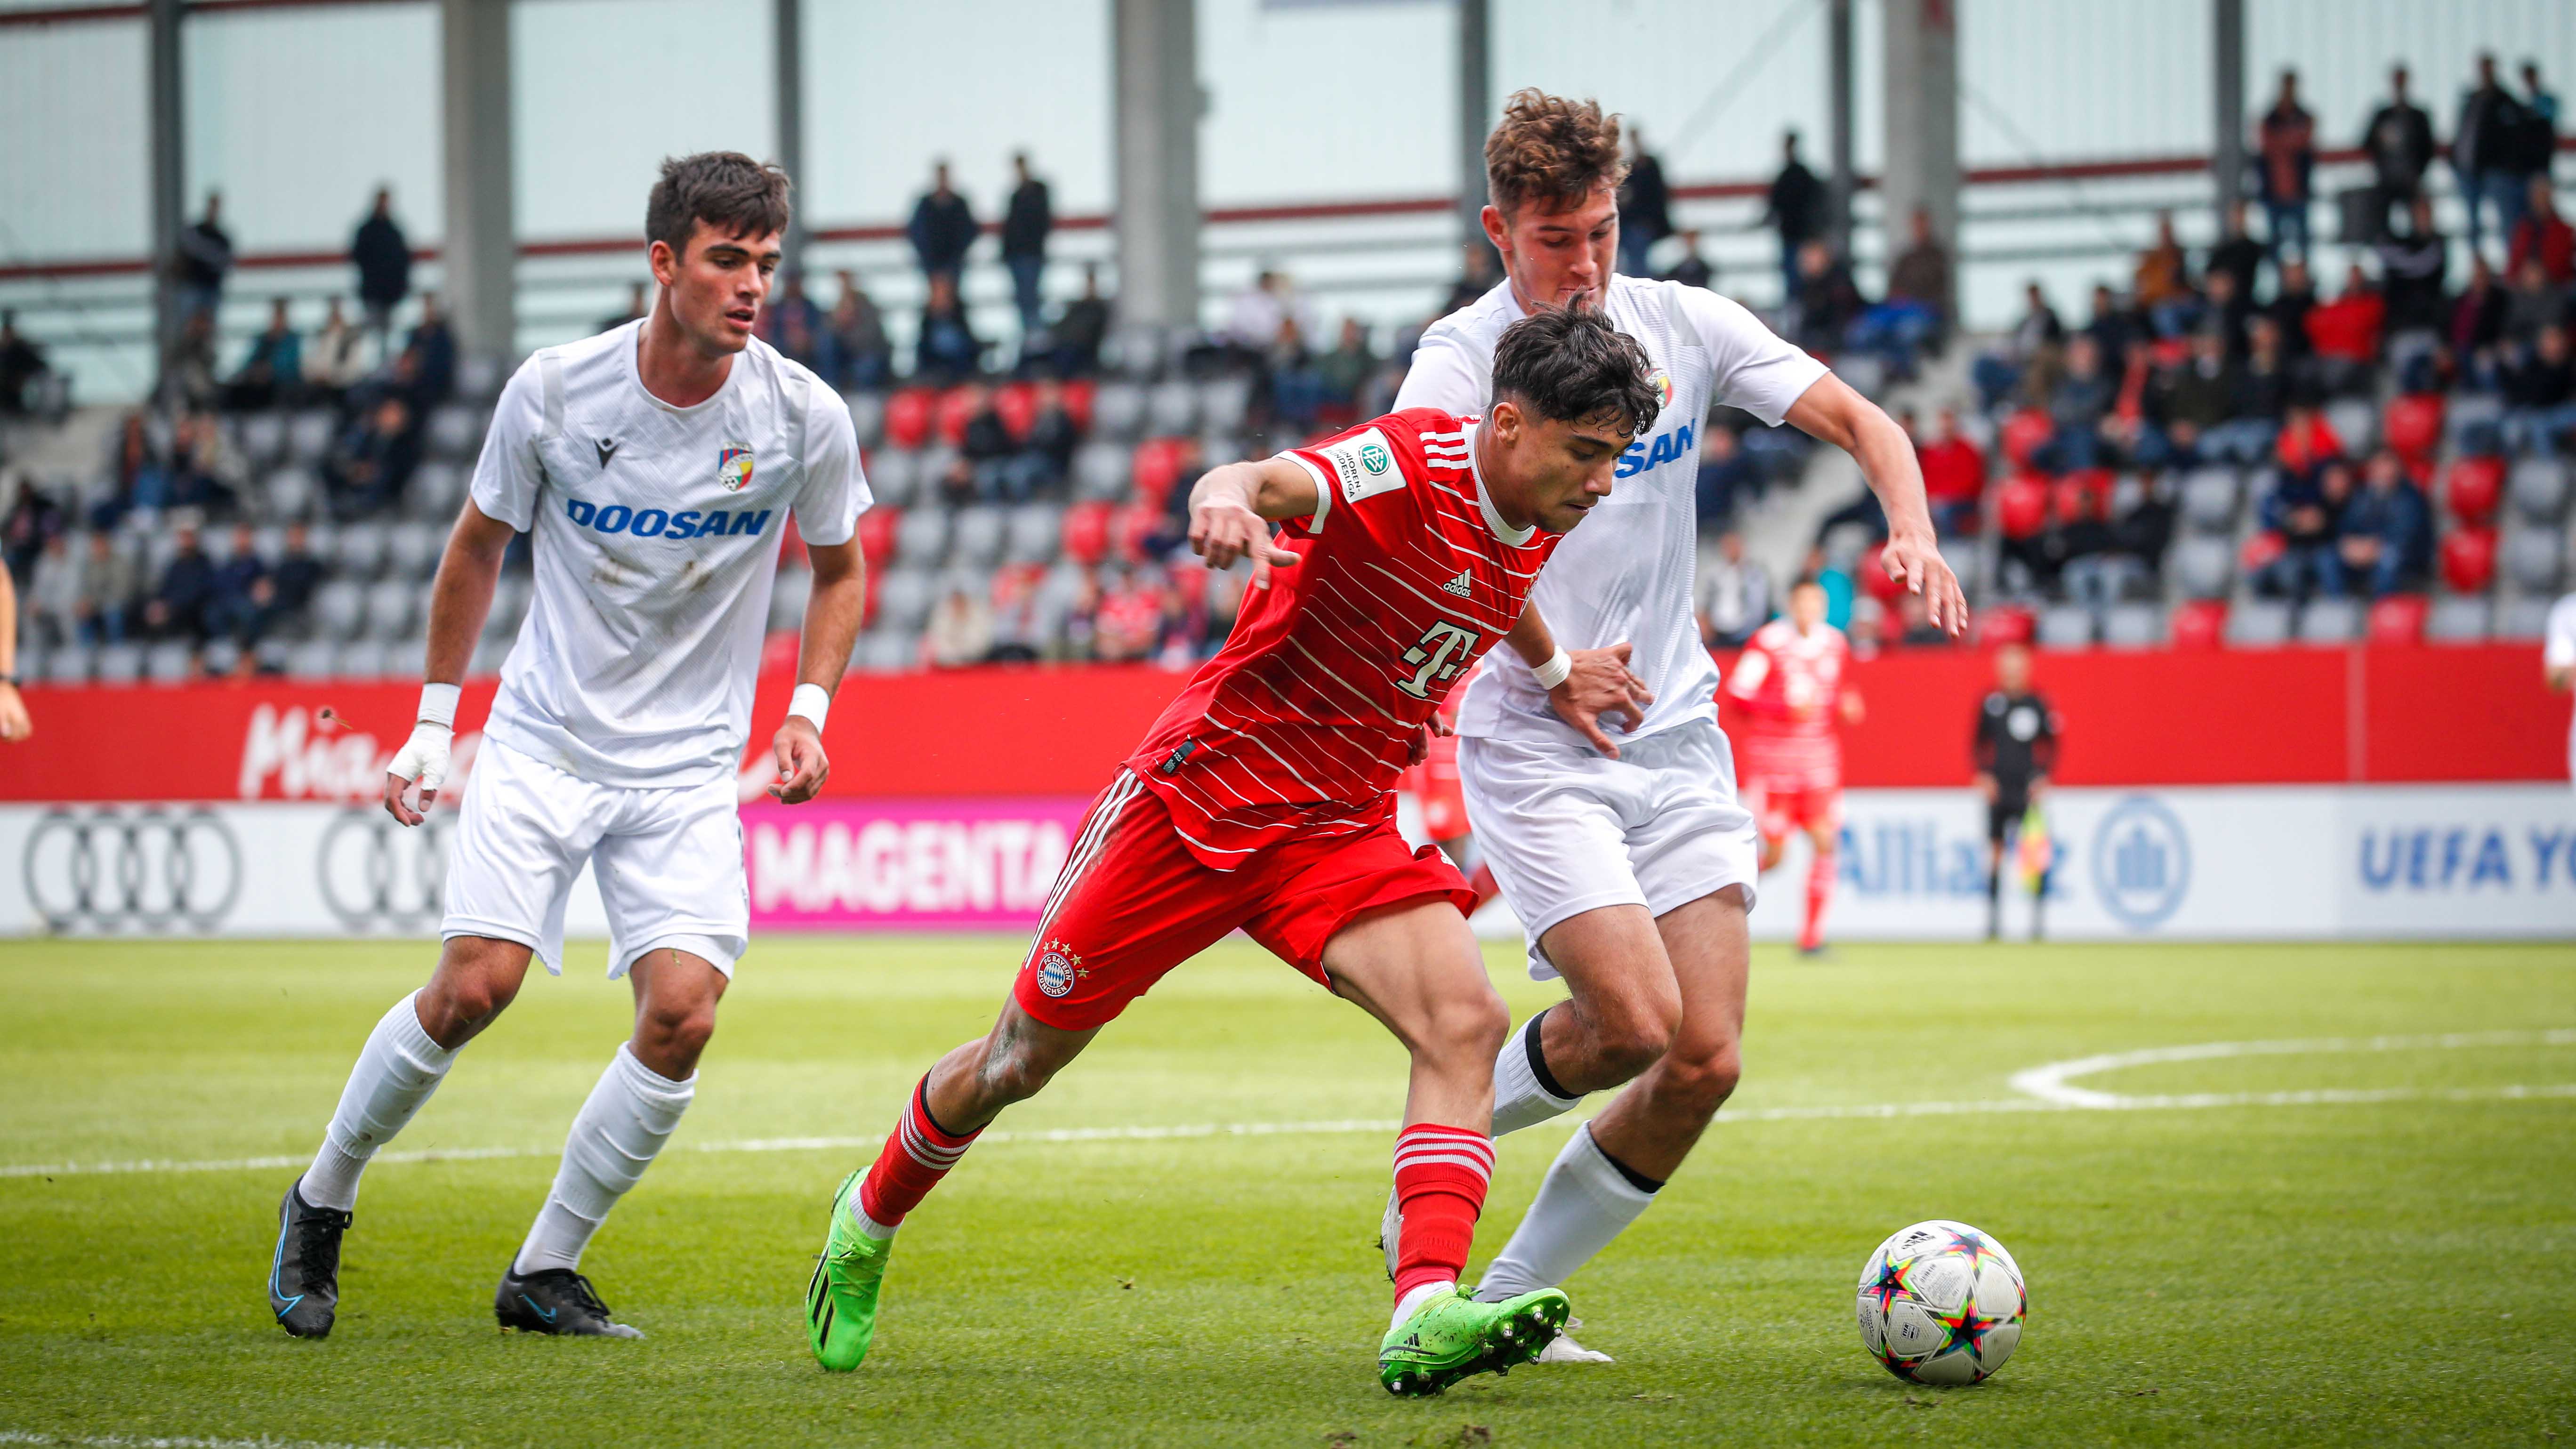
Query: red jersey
x=1303, y=723
x=1791, y=687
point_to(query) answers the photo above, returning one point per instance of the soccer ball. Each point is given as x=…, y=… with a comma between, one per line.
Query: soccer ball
x=1941, y=1303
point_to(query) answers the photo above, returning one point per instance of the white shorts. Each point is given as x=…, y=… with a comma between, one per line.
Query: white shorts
x=669, y=862
x=1568, y=829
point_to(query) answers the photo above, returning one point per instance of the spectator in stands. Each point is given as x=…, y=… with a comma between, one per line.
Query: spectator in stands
x=1914, y=628
x=2225, y=311
x=2306, y=510
x=108, y=583
x=794, y=325
x=335, y=361
x=2475, y=325
x=1254, y=314
x=188, y=368
x=2077, y=407
x=2534, y=303
x=946, y=348
x=383, y=258
x=274, y=369
x=2286, y=146
x=2414, y=264
x=53, y=592
x=1130, y=620
x=1343, y=370
x=366, y=471
x=33, y=517
x=1834, y=577
x=960, y=631
x=1920, y=275
x=2540, y=394
x=1083, y=327
x=2198, y=397
x=1476, y=277
x=2039, y=328
x=2386, y=533
x=284, y=592
x=2486, y=153
x=1025, y=227
x=1692, y=270
x=1799, y=209
x=2398, y=139
x=136, y=476
x=2543, y=234
x=1954, y=475
x=2306, y=442
x=2115, y=323
x=1005, y=472
x=1827, y=300
x=21, y=362
x=2235, y=254
x=433, y=350
x=639, y=301
x=1052, y=438
x=1296, y=389
x=942, y=229
x=203, y=467
x=177, y=608
x=2096, y=570
x=2344, y=334
x=1734, y=594
x=232, y=595
x=1180, y=630
x=2291, y=303
x=1645, y=207
x=1727, y=476
x=2543, y=105
x=1019, y=614
x=2261, y=396
x=205, y=258
x=2164, y=291
x=861, y=356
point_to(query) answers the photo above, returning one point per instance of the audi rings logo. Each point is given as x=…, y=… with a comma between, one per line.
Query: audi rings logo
x=146, y=868
x=378, y=875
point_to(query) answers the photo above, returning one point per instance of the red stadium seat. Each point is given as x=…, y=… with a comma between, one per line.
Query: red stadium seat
x=1191, y=581
x=1871, y=574
x=1017, y=402
x=2399, y=619
x=2413, y=425
x=2078, y=496
x=876, y=536
x=2021, y=505
x=2005, y=626
x=1130, y=526
x=2199, y=624
x=2261, y=550
x=2024, y=433
x=957, y=408
x=2468, y=559
x=2473, y=488
x=1158, y=466
x=1078, y=395
x=1086, y=533
x=907, y=417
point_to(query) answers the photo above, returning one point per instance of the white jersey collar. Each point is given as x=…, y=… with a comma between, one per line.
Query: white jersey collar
x=630, y=351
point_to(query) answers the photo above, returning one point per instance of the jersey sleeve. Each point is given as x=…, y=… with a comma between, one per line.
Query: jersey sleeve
x=1367, y=472
x=835, y=490
x=2559, y=652
x=1446, y=375
x=1750, y=366
x=1752, y=670
x=509, y=473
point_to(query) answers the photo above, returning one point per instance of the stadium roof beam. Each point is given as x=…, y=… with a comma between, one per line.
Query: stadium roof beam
x=2227, y=55
x=480, y=254
x=165, y=76
x=1475, y=113
x=1922, y=52
x=1154, y=69
x=1838, y=122
x=787, y=41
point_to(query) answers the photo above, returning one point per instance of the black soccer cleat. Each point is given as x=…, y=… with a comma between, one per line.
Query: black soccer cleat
x=555, y=1300
x=304, y=1275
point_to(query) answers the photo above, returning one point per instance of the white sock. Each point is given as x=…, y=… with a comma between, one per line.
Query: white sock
x=630, y=1114
x=396, y=1071
x=1412, y=1302
x=1583, y=1203
x=1519, y=1100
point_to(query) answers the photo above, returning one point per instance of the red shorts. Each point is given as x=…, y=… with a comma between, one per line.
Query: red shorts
x=1783, y=806
x=1132, y=903
x=1434, y=785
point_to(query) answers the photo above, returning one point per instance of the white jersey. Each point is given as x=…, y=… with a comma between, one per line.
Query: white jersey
x=656, y=532
x=2559, y=652
x=1626, y=574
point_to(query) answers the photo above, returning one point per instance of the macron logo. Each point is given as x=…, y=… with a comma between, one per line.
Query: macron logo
x=1459, y=585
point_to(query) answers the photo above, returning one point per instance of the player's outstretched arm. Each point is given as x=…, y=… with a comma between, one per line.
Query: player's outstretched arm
x=1232, y=508
x=831, y=627
x=458, y=603
x=1831, y=412
x=1582, y=687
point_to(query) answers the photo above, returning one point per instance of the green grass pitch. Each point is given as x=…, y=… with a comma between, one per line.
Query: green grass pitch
x=2354, y=1246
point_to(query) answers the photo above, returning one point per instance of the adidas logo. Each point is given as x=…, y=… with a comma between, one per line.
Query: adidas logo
x=1459, y=585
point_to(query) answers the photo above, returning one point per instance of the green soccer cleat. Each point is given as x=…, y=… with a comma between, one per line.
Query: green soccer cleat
x=1454, y=1337
x=841, y=1301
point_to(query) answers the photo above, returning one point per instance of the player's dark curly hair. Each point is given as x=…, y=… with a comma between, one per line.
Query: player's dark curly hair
x=727, y=190
x=1552, y=151
x=1575, y=367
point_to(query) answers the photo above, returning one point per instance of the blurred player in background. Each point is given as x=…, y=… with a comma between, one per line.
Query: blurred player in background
x=2558, y=662
x=653, y=466
x=1435, y=788
x=1631, y=863
x=1790, y=683
x=1263, y=799
x=14, y=725
x=2016, y=749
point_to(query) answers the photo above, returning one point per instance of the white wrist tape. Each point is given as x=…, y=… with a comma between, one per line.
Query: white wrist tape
x=423, y=757
x=1555, y=671
x=438, y=704
x=812, y=701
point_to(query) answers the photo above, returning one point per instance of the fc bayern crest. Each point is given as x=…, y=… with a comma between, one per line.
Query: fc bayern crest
x=1058, y=969
x=733, y=467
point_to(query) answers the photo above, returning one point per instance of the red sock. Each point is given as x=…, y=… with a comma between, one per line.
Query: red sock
x=1820, y=891
x=1440, y=1178
x=916, y=1155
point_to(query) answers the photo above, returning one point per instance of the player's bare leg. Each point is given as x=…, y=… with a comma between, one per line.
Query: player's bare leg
x=1417, y=968
x=1658, y=1004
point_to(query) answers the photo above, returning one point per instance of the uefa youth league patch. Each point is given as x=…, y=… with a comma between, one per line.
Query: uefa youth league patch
x=1363, y=465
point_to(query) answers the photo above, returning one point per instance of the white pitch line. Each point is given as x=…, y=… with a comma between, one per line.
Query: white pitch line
x=154, y=1441
x=2049, y=1082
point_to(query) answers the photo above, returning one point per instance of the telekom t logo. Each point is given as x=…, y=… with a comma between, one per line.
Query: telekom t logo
x=1443, y=650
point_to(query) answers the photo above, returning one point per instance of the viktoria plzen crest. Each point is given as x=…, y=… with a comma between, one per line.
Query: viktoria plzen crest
x=733, y=467
x=1058, y=969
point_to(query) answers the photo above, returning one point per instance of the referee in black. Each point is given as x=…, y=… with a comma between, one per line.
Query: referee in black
x=2016, y=749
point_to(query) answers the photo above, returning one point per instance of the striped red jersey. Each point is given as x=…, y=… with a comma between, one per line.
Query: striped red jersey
x=1791, y=688
x=1304, y=721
